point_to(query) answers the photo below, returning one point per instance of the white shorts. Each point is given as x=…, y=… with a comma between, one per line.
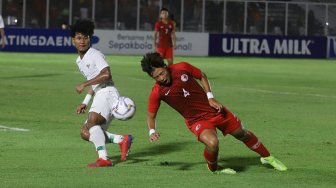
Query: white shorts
x=103, y=102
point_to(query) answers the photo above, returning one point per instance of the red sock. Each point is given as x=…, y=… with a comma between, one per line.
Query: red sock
x=254, y=144
x=211, y=159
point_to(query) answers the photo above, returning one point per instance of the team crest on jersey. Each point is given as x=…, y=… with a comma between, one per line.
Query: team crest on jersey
x=184, y=77
x=198, y=127
x=88, y=66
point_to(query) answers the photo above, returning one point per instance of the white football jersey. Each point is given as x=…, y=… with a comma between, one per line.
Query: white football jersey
x=2, y=24
x=91, y=65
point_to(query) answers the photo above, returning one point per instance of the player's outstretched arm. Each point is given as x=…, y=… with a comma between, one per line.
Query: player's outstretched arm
x=103, y=77
x=212, y=101
x=153, y=135
x=82, y=107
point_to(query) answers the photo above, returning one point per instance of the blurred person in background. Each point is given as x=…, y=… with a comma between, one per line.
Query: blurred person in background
x=165, y=27
x=2, y=31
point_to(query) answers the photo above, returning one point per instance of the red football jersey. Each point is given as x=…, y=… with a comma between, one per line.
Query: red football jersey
x=165, y=31
x=184, y=94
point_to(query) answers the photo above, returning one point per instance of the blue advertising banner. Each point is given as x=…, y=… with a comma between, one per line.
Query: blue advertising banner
x=38, y=40
x=267, y=46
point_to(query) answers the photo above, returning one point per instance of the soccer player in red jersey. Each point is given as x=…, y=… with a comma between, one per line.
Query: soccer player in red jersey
x=167, y=38
x=204, y=115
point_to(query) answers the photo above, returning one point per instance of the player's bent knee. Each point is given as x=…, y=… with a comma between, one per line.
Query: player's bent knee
x=213, y=143
x=210, y=139
x=85, y=134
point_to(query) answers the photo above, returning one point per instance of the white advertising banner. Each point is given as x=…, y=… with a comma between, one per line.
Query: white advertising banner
x=141, y=42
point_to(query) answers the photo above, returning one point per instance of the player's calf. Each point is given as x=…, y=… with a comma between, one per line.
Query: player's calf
x=211, y=159
x=241, y=134
x=209, y=138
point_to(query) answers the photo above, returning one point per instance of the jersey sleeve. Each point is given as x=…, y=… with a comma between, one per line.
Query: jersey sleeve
x=154, y=101
x=157, y=26
x=100, y=61
x=194, y=71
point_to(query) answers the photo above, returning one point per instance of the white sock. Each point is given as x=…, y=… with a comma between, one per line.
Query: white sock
x=98, y=138
x=114, y=138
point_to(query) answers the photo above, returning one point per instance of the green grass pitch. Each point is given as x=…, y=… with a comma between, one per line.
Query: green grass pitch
x=290, y=104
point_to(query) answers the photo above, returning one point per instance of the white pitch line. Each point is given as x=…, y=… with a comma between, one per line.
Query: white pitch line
x=134, y=78
x=13, y=128
x=289, y=93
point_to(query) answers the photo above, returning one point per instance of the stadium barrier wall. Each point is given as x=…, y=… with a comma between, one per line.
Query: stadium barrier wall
x=192, y=44
x=107, y=41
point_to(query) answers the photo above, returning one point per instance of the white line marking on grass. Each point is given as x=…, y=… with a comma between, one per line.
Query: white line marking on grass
x=20, y=67
x=139, y=79
x=13, y=128
x=134, y=78
x=289, y=93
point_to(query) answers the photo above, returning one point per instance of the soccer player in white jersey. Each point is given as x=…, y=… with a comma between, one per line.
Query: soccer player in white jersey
x=93, y=66
x=2, y=31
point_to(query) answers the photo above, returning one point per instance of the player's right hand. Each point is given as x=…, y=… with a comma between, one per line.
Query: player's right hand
x=81, y=109
x=154, y=137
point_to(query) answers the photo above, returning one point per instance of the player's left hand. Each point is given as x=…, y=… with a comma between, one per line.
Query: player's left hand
x=216, y=105
x=80, y=88
x=81, y=109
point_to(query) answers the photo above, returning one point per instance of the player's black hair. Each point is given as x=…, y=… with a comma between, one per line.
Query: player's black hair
x=150, y=61
x=84, y=27
x=164, y=9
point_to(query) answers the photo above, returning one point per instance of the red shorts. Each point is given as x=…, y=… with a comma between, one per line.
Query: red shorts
x=226, y=122
x=166, y=53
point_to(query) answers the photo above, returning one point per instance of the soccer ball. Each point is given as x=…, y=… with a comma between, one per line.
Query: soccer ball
x=124, y=109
